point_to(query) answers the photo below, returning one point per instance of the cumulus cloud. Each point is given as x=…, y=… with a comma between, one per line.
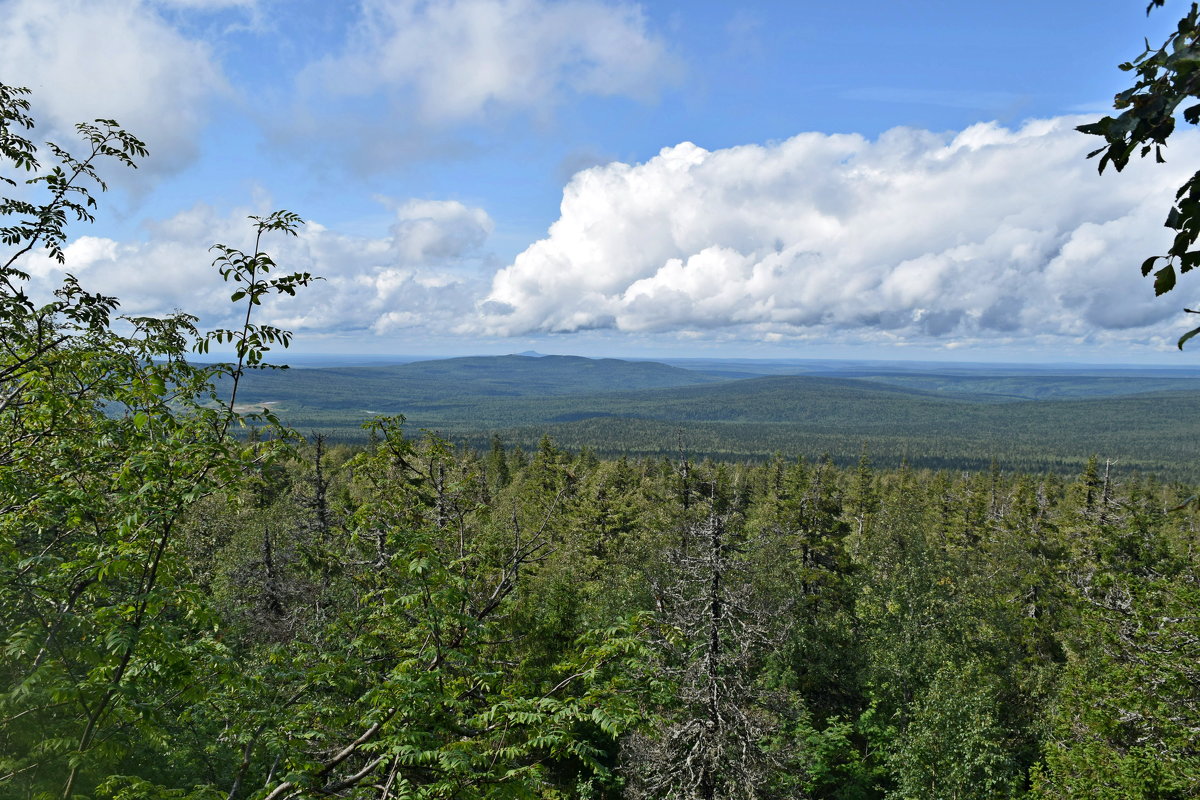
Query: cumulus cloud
x=115, y=59
x=986, y=234
x=460, y=58
x=424, y=273
x=989, y=235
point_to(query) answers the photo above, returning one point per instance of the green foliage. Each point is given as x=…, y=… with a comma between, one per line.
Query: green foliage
x=1166, y=79
x=1126, y=717
x=109, y=437
x=956, y=744
x=417, y=697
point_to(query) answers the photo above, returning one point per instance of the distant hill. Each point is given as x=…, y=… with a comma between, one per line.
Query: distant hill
x=1066, y=386
x=394, y=388
x=959, y=418
x=801, y=416
x=521, y=375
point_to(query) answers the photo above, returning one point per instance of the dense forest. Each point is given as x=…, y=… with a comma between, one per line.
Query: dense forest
x=197, y=603
x=405, y=620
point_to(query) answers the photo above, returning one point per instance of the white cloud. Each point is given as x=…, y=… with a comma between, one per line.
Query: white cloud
x=430, y=230
x=988, y=234
x=206, y=5
x=424, y=274
x=113, y=59
x=460, y=58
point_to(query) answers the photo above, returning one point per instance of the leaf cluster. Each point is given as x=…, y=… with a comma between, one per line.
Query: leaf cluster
x=1167, y=79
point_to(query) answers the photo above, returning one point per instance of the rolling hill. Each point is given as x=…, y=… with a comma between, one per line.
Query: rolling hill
x=392, y=388
x=940, y=418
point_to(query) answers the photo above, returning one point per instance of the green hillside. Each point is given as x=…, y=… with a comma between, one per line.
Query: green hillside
x=932, y=420
x=1150, y=433
x=1001, y=388
x=390, y=388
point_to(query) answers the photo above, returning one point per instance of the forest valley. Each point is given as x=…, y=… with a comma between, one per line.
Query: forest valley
x=196, y=603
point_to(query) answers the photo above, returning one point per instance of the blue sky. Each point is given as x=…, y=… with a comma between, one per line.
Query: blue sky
x=774, y=179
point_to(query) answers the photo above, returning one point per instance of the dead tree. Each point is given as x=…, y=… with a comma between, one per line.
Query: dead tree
x=709, y=745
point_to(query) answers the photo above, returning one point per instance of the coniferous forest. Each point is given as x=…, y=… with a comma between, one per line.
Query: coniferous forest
x=197, y=603
x=406, y=620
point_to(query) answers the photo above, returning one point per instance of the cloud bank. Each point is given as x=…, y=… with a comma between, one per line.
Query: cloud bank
x=112, y=59
x=986, y=234
x=423, y=274
x=989, y=236
x=460, y=58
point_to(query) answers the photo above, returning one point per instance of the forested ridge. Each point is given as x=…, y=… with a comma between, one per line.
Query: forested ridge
x=752, y=418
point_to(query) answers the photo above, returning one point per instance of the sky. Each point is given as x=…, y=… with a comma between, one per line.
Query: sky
x=881, y=179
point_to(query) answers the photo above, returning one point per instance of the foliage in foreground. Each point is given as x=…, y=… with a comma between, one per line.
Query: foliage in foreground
x=122, y=676
x=1165, y=80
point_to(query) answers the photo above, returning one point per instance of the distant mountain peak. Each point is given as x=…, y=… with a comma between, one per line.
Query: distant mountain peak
x=531, y=354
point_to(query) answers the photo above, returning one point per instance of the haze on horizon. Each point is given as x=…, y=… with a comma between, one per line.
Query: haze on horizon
x=634, y=180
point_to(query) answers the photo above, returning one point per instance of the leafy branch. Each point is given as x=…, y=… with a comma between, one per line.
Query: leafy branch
x=249, y=274
x=1167, y=77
